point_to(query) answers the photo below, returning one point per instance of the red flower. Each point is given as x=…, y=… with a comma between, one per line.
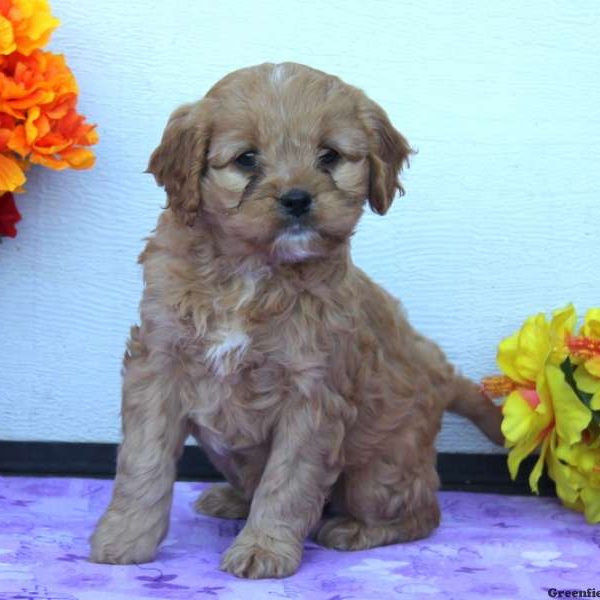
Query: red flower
x=9, y=215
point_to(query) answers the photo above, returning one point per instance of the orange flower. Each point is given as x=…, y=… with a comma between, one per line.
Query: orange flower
x=42, y=78
x=40, y=91
x=55, y=143
x=39, y=122
x=25, y=25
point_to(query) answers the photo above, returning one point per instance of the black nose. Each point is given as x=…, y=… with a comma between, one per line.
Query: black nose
x=296, y=202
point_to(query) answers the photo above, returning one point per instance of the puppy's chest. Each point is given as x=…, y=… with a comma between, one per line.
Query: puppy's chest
x=246, y=346
x=227, y=349
x=254, y=336
x=242, y=378
x=245, y=354
x=245, y=370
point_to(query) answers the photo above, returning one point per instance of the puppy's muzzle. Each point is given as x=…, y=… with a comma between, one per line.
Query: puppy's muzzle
x=296, y=202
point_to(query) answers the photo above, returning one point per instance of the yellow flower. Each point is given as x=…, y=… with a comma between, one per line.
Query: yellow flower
x=25, y=25
x=528, y=419
x=576, y=471
x=523, y=355
x=532, y=417
x=552, y=379
x=530, y=358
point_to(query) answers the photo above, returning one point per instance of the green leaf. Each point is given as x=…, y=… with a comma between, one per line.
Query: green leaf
x=569, y=370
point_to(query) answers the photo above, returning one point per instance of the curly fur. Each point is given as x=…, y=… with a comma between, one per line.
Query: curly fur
x=300, y=377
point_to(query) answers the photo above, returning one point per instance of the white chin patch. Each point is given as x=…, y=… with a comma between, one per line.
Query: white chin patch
x=295, y=245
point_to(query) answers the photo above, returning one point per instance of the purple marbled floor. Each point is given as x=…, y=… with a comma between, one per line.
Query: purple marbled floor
x=488, y=546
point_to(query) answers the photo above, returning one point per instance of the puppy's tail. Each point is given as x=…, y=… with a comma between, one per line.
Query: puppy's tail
x=469, y=401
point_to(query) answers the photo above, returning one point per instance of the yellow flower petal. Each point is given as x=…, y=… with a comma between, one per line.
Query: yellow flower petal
x=7, y=38
x=31, y=23
x=518, y=418
x=593, y=366
x=536, y=472
x=586, y=381
x=591, y=323
x=534, y=347
x=507, y=351
x=563, y=320
x=40, y=23
x=518, y=453
x=522, y=355
x=572, y=416
x=568, y=482
x=562, y=323
x=593, y=387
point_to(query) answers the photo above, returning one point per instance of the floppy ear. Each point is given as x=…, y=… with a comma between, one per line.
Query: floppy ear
x=179, y=161
x=388, y=153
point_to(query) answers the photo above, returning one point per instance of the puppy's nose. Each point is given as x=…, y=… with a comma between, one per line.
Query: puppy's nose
x=296, y=202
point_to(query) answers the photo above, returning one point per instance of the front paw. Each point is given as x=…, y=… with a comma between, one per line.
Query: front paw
x=116, y=540
x=255, y=555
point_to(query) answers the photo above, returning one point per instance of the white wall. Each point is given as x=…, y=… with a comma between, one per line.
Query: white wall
x=501, y=218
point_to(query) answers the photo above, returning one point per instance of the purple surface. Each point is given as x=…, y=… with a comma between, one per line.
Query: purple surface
x=488, y=546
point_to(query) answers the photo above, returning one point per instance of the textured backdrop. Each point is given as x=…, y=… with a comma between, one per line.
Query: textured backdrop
x=501, y=217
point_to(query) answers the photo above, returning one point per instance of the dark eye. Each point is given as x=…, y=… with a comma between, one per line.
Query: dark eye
x=247, y=160
x=328, y=158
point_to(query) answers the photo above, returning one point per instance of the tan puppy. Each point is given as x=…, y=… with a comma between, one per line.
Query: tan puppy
x=300, y=377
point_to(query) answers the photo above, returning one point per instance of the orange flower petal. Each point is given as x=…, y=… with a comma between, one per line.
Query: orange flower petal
x=18, y=142
x=79, y=158
x=11, y=175
x=31, y=132
x=49, y=161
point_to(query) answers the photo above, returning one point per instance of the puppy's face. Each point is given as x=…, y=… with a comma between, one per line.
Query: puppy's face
x=280, y=159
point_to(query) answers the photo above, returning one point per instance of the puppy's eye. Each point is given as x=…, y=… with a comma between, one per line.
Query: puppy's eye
x=328, y=158
x=247, y=161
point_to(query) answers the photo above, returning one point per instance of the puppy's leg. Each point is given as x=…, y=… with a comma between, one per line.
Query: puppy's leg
x=154, y=433
x=391, y=500
x=243, y=472
x=304, y=462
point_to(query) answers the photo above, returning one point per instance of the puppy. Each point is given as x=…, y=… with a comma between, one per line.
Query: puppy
x=300, y=377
